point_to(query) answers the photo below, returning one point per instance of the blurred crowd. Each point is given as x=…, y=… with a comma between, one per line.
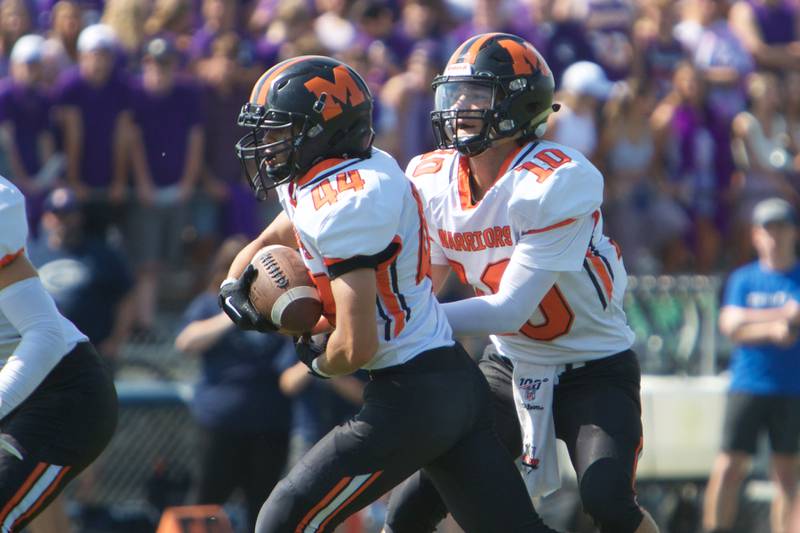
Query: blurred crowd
x=691, y=108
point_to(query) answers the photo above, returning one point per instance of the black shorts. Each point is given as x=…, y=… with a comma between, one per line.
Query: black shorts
x=748, y=415
x=432, y=413
x=57, y=431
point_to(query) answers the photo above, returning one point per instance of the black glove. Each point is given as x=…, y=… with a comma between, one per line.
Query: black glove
x=234, y=299
x=308, y=349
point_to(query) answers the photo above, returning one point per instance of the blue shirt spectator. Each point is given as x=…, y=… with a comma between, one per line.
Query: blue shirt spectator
x=238, y=386
x=764, y=368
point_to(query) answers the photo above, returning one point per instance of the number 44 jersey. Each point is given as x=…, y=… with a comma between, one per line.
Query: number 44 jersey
x=547, y=198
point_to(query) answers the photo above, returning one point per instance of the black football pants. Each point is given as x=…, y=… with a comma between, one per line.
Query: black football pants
x=597, y=413
x=431, y=413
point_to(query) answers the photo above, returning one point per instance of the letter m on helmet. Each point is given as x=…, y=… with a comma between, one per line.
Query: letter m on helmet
x=343, y=90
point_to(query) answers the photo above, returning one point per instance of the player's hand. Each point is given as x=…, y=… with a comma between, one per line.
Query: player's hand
x=234, y=299
x=308, y=349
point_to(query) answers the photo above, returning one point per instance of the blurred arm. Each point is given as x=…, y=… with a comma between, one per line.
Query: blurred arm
x=200, y=335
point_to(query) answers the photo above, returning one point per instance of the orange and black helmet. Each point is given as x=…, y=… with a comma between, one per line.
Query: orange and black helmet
x=500, y=85
x=301, y=111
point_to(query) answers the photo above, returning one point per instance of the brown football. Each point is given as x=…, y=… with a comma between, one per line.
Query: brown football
x=283, y=292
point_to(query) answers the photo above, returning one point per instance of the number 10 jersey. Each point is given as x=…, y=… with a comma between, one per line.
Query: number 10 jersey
x=546, y=198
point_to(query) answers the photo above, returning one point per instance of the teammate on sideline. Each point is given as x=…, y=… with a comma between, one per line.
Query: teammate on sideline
x=58, y=405
x=361, y=231
x=518, y=218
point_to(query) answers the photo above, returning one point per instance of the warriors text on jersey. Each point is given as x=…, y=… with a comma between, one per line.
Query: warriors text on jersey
x=13, y=233
x=551, y=195
x=343, y=210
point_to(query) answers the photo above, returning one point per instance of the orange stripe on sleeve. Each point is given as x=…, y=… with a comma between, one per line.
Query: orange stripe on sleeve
x=563, y=223
x=602, y=271
x=26, y=486
x=322, y=503
x=361, y=489
x=38, y=504
x=7, y=259
x=388, y=297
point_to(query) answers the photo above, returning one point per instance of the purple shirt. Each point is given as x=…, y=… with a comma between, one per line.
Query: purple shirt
x=777, y=23
x=99, y=107
x=165, y=121
x=28, y=110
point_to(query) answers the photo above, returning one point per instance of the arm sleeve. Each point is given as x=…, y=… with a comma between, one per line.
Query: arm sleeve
x=32, y=312
x=735, y=291
x=521, y=290
x=13, y=226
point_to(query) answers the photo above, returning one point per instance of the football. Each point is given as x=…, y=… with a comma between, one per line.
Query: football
x=283, y=291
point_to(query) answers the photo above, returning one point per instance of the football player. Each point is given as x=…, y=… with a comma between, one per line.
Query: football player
x=58, y=405
x=518, y=218
x=359, y=226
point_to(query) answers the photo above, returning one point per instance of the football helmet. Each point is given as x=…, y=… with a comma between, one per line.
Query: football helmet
x=495, y=85
x=301, y=111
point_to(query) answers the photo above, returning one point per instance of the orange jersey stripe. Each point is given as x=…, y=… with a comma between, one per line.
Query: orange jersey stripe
x=322, y=503
x=563, y=223
x=638, y=452
x=32, y=478
x=38, y=504
x=344, y=504
x=388, y=297
x=602, y=271
x=6, y=259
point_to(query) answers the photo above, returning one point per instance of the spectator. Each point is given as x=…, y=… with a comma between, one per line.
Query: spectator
x=761, y=314
x=333, y=29
x=222, y=178
x=15, y=21
x=724, y=63
x=685, y=149
x=791, y=108
x=609, y=25
x=658, y=51
x=65, y=27
x=768, y=30
x=378, y=36
x=627, y=151
x=567, y=42
x=761, y=142
x=93, y=110
x=319, y=406
x=127, y=19
x=89, y=280
x=243, y=416
x=174, y=19
x=167, y=156
x=423, y=19
x=406, y=102
x=25, y=129
x=291, y=20
x=219, y=17
x=584, y=87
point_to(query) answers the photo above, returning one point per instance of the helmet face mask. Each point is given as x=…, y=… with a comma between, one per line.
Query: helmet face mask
x=268, y=153
x=300, y=112
x=495, y=86
x=464, y=114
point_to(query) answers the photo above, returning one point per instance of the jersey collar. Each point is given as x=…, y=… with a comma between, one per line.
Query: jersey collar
x=464, y=188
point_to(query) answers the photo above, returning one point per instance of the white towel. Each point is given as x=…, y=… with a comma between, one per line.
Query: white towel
x=533, y=397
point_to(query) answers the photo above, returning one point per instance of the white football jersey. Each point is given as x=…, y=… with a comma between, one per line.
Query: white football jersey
x=355, y=210
x=551, y=194
x=13, y=233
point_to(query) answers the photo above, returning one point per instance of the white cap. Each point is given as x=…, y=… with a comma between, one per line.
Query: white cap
x=28, y=49
x=96, y=37
x=586, y=78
